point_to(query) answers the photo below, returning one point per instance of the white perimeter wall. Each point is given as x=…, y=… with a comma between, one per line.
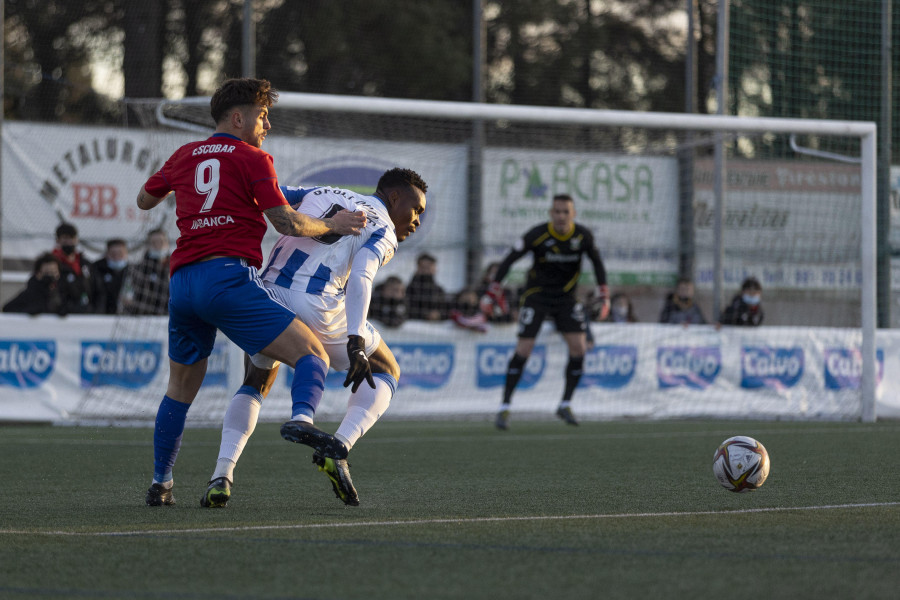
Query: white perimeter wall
x=49, y=365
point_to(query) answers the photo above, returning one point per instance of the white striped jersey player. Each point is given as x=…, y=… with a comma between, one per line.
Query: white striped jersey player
x=327, y=281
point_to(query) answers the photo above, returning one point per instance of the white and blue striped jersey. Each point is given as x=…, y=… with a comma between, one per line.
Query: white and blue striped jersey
x=321, y=266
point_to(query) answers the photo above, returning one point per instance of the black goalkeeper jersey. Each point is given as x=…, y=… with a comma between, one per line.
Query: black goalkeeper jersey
x=557, y=259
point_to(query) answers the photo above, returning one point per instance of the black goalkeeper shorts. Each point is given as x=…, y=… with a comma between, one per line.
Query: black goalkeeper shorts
x=564, y=309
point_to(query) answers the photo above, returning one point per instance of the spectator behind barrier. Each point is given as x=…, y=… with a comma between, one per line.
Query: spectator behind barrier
x=45, y=292
x=466, y=311
x=426, y=299
x=621, y=309
x=746, y=307
x=74, y=269
x=388, y=305
x=109, y=273
x=680, y=308
x=146, y=287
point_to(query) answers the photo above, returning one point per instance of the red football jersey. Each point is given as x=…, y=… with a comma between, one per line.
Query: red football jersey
x=221, y=186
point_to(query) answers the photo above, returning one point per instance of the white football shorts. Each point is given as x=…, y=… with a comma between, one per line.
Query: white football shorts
x=326, y=317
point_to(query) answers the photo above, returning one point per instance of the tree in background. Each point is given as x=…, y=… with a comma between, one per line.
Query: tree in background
x=616, y=54
x=815, y=59
x=48, y=46
x=546, y=52
x=794, y=58
x=394, y=48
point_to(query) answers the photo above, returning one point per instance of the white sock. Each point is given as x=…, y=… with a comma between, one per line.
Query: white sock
x=565, y=403
x=364, y=408
x=237, y=427
x=224, y=468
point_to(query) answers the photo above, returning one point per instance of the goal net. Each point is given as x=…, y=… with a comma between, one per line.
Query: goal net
x=794, y=210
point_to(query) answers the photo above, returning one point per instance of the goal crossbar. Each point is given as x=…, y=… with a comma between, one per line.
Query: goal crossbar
x=467, y=111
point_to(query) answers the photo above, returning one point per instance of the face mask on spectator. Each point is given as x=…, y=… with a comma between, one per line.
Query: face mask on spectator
x=156, y=254
x=67, y=248
x=751, y=300
x=117, y=265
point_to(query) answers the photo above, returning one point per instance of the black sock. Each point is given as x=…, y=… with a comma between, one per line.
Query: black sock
x=513, y=374
x=573, y=375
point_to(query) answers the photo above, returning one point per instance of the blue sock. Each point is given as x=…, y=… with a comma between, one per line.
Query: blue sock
x=170, y=420
x=388, y=379
x=308, y=385
x=250, y=391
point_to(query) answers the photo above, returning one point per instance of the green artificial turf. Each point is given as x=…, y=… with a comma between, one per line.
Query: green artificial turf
x=457, y=510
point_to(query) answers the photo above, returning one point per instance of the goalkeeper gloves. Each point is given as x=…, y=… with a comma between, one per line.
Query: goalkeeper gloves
x=359, y=364
x=602, y=297
x=494, y=298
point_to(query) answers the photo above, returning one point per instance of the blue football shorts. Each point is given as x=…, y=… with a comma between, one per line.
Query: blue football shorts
x=223, y=294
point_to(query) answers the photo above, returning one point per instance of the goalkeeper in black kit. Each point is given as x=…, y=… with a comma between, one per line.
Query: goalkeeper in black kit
x=557, y=248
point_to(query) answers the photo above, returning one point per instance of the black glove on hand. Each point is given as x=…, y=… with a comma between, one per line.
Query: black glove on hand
x=359, y=364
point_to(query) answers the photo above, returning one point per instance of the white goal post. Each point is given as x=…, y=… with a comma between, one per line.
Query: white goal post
x=865, y=132
x=796, y=214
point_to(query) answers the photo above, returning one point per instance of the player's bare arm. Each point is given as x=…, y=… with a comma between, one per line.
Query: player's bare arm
x=287, y=221
x=147, y=201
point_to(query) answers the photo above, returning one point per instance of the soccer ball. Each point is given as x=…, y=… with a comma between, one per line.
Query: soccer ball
x=741, y=464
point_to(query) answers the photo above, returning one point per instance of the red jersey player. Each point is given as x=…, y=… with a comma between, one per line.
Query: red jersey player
x=223, y=186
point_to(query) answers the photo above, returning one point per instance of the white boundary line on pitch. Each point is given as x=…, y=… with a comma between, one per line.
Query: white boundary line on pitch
x=700, y=513
x=453, y=438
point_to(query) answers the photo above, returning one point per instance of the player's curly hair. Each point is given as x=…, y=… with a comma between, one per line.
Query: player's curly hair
x=241, y=92
x=399, y=177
